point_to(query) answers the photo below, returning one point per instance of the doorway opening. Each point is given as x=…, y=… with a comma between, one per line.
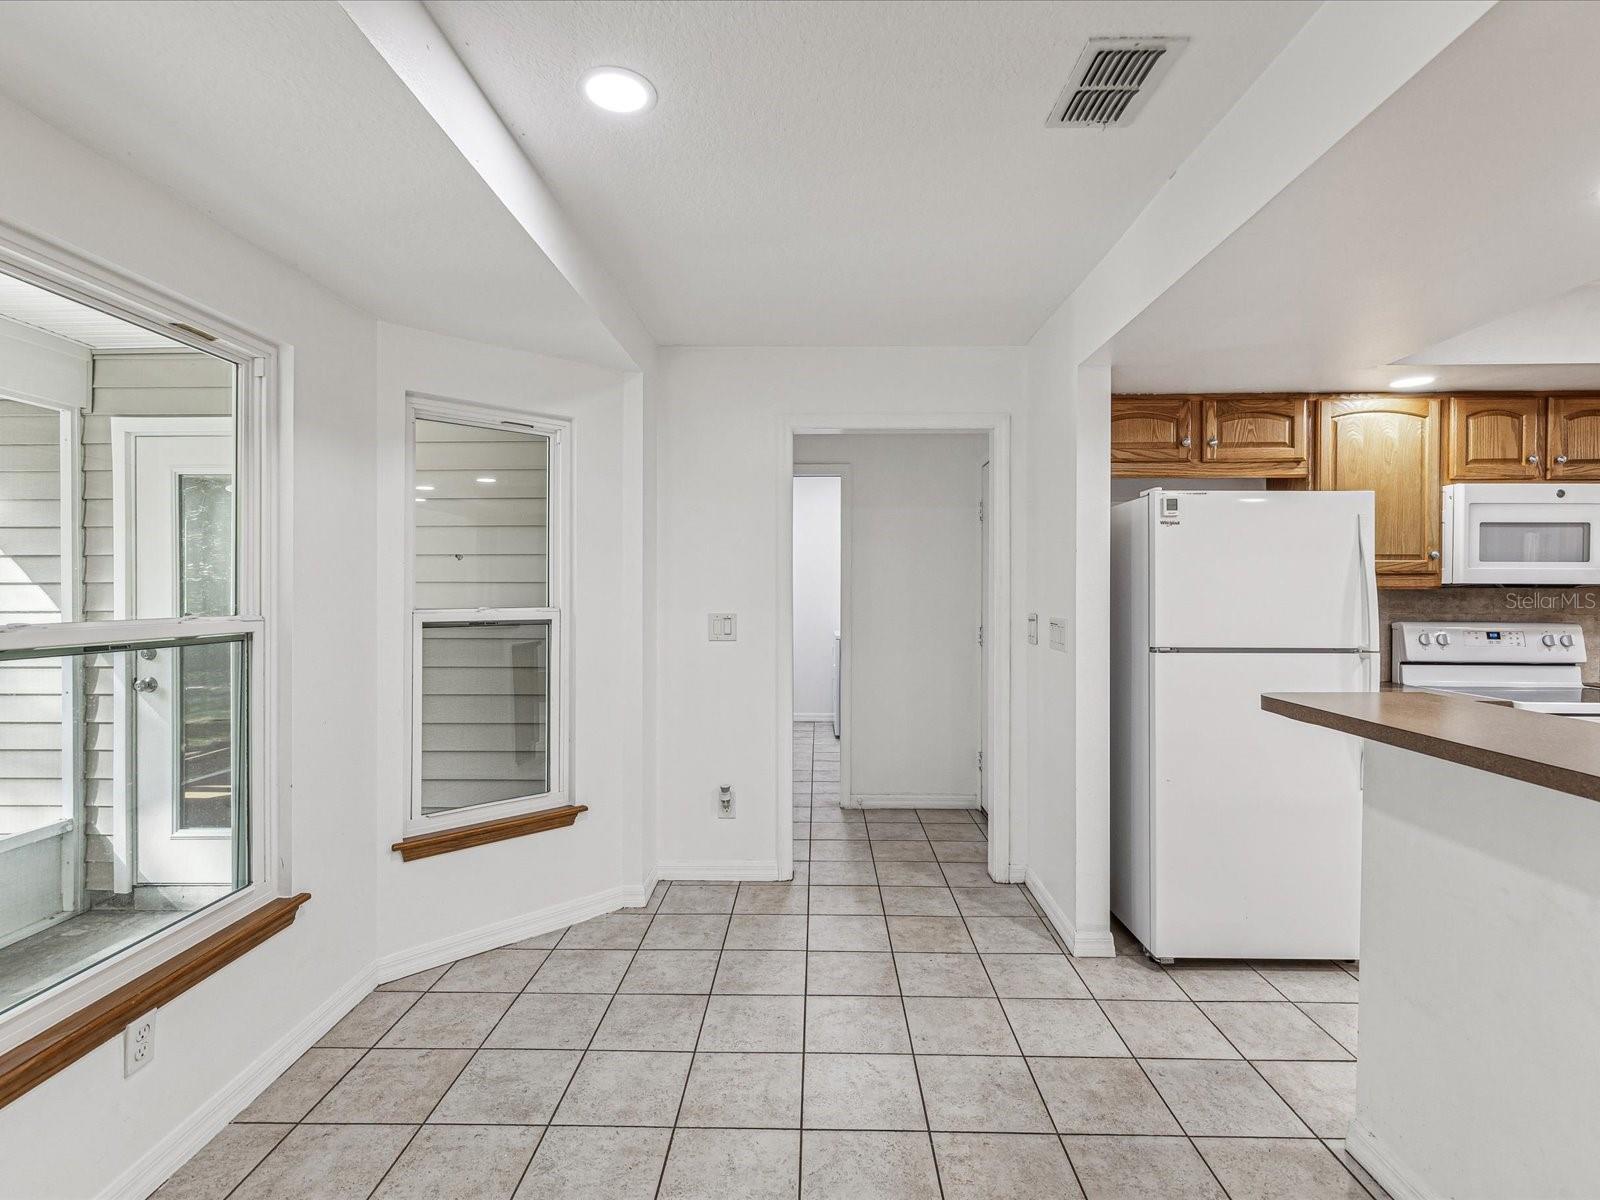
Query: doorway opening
x=891, y=587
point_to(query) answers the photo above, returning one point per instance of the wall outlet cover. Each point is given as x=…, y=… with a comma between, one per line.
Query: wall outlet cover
x=723, y=627
x=138, y=1043
x=1033, y=629
x=1058, y=634
x=725, y=803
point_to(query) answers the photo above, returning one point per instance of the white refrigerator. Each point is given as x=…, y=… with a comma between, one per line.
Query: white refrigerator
x=1236, y=833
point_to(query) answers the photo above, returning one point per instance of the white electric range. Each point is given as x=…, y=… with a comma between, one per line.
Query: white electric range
x=1536, y=667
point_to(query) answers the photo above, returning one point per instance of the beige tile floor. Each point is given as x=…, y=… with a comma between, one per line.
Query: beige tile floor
x=891, y=1024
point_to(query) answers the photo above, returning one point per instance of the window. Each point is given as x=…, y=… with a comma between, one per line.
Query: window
x=132, y=801
x=488, y=574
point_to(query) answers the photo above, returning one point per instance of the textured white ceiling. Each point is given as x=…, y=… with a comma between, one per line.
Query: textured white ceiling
x=281, y=122
x=1470, y=194
x=871, y=172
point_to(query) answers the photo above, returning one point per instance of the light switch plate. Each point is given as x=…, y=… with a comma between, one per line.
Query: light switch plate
x=723, y=627
x=1058, y=634
x=1033, y=629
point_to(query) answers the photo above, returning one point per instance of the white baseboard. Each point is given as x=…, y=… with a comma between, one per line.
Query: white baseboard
x=1376, y=1159
x=723, y=870
x=913, y=800
x=172, y=1151
x=513, y=929
x=813, y=718
x=1085, y=943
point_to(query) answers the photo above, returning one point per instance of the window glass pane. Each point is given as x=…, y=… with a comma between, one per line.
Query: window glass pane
x=76, y=883
x=205, y=545
x=1533, y=541
x=485, y=714
x=481, y=517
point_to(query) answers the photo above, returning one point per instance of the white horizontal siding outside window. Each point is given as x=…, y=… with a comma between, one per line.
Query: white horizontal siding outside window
x=489, y=577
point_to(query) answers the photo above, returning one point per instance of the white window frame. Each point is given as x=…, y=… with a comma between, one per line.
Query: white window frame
x=558, y=576
x=261, y=591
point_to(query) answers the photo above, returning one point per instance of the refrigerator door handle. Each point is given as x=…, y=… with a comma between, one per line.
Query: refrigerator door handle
x=1369, y=587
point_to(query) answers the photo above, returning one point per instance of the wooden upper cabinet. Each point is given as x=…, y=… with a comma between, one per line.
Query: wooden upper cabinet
x=1151, y=432
x=1388, y=445
x=1211, y=436
x=1573, y=437
x=1491, y=437
x=1271, y=432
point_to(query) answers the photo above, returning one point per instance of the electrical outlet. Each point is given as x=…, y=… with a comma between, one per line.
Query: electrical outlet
x=1033, y=629
x=725, y=803
x=723, y=627
x=138, y=1044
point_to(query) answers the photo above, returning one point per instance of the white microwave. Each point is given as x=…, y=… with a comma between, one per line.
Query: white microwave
x=1522, y=533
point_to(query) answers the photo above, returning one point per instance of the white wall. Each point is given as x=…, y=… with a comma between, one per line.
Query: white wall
x=440, y=899
x=817, y=548
x=723, y=466
x=208, y=1037
x=915, y=562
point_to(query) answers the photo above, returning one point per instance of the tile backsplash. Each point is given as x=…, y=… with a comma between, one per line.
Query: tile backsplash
x=1577, y=605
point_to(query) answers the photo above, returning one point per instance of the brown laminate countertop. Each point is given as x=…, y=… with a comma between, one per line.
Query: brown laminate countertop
x=1540, y=748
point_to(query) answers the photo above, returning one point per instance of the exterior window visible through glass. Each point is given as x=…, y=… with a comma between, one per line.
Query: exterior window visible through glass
x=480, y=500
x=1533, y=541
x=206, y=707
x=205, y=545
x=485, y=697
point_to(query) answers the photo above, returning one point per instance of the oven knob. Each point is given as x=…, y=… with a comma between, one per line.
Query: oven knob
x=1566, y=640
x=1549, y=639
x=1424, y=638
x=1442, y=638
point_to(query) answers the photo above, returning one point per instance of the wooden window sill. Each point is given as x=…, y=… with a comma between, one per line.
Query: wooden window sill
x=464, y=837
x=68, y=1040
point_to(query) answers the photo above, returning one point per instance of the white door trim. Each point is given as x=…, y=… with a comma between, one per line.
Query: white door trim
x=841, y=472
x=125, y=433
x=997, y=734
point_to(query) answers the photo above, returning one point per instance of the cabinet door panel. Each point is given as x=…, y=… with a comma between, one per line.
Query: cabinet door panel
x=1574, y=437
x=1495, y=437
x=1152, y=430
x=1388, y=445
x=1255, y=430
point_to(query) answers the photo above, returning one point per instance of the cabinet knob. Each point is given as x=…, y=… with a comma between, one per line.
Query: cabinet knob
x=1186, y=443
x=1211, y=441
x=1561, y=458
x=1533, y=458
x=1433, y=554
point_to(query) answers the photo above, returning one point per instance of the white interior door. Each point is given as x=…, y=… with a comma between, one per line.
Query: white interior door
x=178, y=557
x=983, y=641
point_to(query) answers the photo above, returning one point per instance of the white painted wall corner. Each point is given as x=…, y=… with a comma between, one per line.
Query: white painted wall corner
x=1081, y=944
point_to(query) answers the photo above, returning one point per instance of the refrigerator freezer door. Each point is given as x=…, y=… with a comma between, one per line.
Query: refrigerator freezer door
x=1255, y=819
x=1263, y=570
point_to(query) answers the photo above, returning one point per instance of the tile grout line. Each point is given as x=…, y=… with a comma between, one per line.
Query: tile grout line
x=593, y=1033
x=1027, y=1065
x=905, y=1015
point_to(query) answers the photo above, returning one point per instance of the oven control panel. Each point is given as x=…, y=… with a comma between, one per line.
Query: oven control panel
x=1472, y=642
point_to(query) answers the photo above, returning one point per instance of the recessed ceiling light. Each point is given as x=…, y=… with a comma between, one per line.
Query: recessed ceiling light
x=618, y=90
x=1412, y=381
x=424, y=487
x=485, y=478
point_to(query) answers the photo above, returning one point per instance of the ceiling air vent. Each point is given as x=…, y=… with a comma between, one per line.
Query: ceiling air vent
x=1112, y=79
